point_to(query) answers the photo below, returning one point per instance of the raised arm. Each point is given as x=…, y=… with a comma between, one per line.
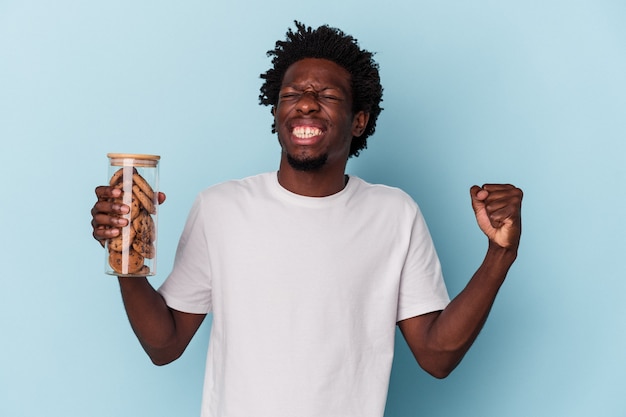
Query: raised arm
x=439, y=340
x=164, y=333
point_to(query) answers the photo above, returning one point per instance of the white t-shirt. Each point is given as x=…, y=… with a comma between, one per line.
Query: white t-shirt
x=305, y=294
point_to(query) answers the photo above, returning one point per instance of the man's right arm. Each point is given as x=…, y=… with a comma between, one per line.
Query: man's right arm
x=164, y=333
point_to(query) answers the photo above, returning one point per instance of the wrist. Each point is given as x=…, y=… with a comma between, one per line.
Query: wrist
x=502, y=254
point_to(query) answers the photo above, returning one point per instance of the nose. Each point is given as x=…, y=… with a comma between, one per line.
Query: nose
x=308, y=102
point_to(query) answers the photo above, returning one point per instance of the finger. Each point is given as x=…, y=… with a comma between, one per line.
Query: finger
x=499, y=191
x=111, y=208
x=500, y=217
x=501, y=198
x=102, y=233
x=104, y=192
x=504, y=209
x=107, y=214
x=161, y=197
x=107, y=227
x=106, y=220
x=498, y=187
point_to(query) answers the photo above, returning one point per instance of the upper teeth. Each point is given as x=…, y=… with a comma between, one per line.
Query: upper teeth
x=306, y=131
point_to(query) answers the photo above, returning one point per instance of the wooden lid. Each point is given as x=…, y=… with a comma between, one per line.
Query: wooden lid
x=133, y=156
x=133, y=159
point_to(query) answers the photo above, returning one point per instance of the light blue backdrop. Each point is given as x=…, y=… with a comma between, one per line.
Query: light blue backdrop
x=532, y=93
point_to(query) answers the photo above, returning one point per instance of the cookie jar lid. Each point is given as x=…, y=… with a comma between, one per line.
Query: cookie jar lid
x=133, y=159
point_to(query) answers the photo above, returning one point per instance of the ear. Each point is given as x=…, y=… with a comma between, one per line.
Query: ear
x=359, y=123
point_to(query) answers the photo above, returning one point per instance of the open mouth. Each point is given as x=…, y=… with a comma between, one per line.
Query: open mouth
x=306, y=132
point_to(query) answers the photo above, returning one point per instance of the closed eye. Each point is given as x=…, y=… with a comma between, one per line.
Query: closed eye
x=329, y=97
x=324, y=96
x=289, y=96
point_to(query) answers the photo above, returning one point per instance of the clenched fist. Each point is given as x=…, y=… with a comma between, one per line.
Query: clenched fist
x=498, y=212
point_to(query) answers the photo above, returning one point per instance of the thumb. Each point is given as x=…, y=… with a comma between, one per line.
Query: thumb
x=478, y=195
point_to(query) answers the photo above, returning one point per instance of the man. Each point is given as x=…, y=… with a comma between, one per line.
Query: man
x=306, y=270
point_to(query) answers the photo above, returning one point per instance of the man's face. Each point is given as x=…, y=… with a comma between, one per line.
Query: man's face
x=314, y=117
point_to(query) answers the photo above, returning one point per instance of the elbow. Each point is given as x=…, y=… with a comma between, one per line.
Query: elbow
x=161, y=361
x=439, y=372
x=162, y=357
x=441, y=365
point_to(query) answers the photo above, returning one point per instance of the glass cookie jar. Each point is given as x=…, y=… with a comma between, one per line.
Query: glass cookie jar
x=133, y=252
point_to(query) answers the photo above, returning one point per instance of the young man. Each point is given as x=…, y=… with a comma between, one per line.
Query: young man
x=306, y=270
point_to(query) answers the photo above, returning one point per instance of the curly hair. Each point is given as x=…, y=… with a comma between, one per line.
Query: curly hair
x=334, y=45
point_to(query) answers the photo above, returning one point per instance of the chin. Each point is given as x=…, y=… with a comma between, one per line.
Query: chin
x=307, y=164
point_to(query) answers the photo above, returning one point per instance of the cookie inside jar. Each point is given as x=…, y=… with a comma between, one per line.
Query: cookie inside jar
x=133, y=251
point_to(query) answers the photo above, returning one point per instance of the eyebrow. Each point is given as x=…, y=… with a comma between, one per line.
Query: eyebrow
x=319, y=90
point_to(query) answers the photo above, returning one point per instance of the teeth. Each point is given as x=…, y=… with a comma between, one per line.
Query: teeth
x=306, y=132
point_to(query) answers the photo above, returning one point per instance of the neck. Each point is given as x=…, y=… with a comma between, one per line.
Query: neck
x=318, y=183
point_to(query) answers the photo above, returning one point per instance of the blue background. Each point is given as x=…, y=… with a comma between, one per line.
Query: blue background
x=532, y=93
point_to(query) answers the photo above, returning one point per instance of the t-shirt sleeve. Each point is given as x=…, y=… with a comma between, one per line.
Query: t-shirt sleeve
x=188, y=287
x=422, y=288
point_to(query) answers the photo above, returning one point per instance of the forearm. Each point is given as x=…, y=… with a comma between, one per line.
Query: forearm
x=458, y=325
x=440, y=340
x=150, y=318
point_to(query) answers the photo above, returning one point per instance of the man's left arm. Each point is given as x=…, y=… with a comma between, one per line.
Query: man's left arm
x=439, y=340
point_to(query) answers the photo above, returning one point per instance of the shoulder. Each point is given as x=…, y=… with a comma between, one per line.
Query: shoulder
x=251, y=184
x=383, y=195
x=235, y=195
